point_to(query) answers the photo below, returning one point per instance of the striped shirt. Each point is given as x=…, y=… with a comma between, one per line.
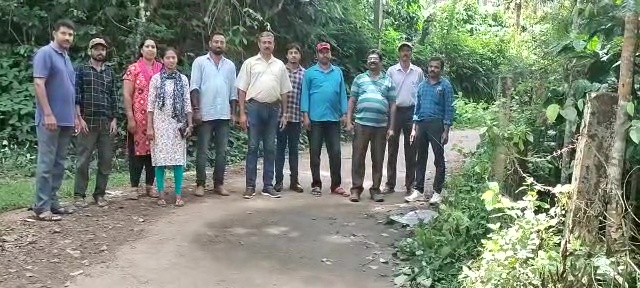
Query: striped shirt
x=372, y=99
x=293, y=97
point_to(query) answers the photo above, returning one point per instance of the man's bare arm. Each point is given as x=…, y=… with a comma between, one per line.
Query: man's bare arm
x=41, y=95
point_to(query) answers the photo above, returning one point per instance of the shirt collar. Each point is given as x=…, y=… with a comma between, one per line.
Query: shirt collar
x=382, y=74
x=57, y=48
x=331, y=68
x=222, y=59
x=298, y=70
x=102, y=67
x=273, y=58
x=399, y=67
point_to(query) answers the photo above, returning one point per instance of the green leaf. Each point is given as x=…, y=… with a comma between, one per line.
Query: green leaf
x=631, y=108
x=569, y=113
x=552, y=112
x=581, y=104
x=634, y=133
x=530, y=137
x=579, y=45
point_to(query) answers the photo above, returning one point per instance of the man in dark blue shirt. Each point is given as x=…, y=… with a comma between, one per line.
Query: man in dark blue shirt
x=432, y=117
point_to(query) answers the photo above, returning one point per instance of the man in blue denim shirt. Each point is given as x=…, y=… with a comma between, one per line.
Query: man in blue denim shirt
x=432, y=117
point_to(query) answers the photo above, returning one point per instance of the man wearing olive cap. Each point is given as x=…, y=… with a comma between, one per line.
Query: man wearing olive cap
x=96, y=108
x=406, y=77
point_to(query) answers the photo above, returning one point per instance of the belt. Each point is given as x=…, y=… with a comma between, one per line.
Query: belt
x=277, y=102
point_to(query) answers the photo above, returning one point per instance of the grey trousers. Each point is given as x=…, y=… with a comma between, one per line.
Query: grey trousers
x=50, y=167
x=98, y=139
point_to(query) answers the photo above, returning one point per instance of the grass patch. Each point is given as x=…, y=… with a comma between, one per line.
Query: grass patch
x=20, y=192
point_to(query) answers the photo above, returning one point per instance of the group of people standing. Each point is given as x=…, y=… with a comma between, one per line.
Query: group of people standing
x=274, y=102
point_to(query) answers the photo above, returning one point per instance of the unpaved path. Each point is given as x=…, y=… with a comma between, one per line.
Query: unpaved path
x=296, y=241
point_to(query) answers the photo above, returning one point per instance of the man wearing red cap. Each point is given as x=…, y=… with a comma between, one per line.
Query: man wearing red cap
x=324, y=107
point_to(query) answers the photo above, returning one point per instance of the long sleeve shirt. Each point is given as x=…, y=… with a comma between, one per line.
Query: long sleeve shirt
x=435, y=102
x=215, y=82
x=96, y=94
x=324, y=94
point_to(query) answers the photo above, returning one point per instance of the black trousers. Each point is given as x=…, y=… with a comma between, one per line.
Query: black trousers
x=404, y=125
x=137, y=164
x=429, y=133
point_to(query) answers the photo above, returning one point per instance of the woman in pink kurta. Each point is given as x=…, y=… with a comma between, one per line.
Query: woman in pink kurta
x=136, y=91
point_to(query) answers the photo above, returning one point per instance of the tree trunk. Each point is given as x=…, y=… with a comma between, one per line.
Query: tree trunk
x=500, y=160
x=587, y=198
x=616, y=236
x=518, y=8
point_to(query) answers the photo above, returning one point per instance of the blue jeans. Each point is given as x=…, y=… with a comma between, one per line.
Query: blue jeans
x=52, y=153
x=263, y=119
x=288, y=137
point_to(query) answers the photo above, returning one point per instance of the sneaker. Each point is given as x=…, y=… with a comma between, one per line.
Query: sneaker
x=101, y=202
x=199, y=191
x=79, y=202
x=221, y=191
x=435, y=199
x=388, y=190
x=278, y=187
x=271, y=193
x=415, y=196
x=249, y=193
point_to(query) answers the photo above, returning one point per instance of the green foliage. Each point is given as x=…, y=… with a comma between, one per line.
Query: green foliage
x=525, y=249
x=436, y=253
x=472, y=114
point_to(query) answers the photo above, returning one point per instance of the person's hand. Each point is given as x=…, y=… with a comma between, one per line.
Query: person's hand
x=50, y=122
x=445, y=138
x=412, y=137
x=188, y=132
x=197, y=117
x=343, y=120
x=131, y=126
x=233, y=120
x=242, y=122
x=283, y=122
x=306, y=123
x=349, y=127
x=150, y=134
x=113, y=127
x=81, y=126
x=389, y=134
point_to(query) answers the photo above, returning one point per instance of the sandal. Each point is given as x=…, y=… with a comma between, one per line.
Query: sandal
x=151, y=192
x=47, y=217
x=316, y=191
x=62, y=211
x=179, y=202
x=340, y=191
x=161, y=201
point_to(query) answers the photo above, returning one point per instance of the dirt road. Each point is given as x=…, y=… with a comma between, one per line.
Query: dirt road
x=296, y=241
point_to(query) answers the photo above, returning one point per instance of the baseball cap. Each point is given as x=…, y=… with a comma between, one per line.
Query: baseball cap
x=323, y=45
x=96, y=41
x=405, y=44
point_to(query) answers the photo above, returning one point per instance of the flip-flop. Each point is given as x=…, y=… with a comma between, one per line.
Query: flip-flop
x=340, y=191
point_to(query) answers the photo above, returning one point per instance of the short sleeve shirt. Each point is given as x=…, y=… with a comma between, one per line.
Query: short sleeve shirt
x=53, y=63
x=373, y=97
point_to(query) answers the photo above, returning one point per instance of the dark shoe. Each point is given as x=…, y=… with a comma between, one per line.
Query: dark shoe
x=249, y=193
x=270, y=192
x=278, y=187
x=79, y=202
x=388, y=190
x=295, y=186
x=376, y=196
x=355, y=196
x=101, y=202
x=63, y=211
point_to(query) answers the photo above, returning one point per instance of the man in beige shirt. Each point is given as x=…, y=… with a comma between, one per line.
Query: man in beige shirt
x=263, y=84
